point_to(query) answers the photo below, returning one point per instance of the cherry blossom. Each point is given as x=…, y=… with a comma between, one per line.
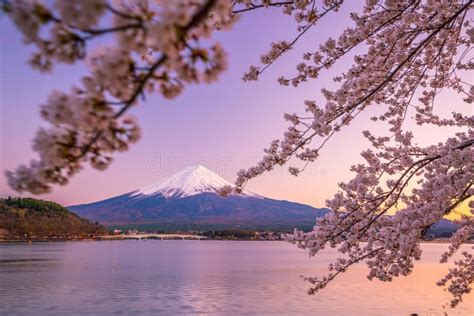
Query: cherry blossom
x=158, y=48
x=411, y=52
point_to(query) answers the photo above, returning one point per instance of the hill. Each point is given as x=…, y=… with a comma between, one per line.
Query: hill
x=442, y=229
x=27, y=218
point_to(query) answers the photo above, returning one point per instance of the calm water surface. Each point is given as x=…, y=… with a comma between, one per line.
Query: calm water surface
x=203, y=277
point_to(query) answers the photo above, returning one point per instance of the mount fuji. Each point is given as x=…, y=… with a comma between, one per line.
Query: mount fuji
x=190, y=200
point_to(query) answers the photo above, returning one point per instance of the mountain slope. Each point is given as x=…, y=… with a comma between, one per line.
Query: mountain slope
x=442, y=229
x=190, y=200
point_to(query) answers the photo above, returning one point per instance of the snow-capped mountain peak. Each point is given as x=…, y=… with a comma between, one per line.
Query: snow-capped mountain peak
x=189, y=200
x=188, y=182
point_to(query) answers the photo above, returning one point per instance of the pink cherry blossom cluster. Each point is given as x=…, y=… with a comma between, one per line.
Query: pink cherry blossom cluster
x=465, y=231
x=413, y=50
x=360, y=225
x=158, y=48
x=460, y=278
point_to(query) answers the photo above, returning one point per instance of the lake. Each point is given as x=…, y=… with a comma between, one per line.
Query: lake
x=205, y=277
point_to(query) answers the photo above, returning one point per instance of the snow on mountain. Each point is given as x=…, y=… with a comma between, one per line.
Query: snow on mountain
x=189, y=182
x=190, y=200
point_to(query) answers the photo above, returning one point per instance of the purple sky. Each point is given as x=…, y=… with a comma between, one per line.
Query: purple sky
x=223, y=126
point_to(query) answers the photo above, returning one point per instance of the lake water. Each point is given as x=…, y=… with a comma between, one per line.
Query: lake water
x=204, y=277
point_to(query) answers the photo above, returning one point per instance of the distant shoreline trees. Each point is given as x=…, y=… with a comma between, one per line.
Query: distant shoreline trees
x=413, y=50
x=28, y=218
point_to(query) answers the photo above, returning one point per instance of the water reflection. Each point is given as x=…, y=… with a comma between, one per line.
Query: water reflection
x=24, y=260
x=180, y=277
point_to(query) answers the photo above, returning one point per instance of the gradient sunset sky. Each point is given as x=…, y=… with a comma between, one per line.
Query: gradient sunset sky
x=223, y=126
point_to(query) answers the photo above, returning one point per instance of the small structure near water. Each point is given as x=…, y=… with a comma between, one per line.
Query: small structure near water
x=140, y=236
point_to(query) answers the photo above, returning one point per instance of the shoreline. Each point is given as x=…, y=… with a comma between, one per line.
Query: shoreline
x=112, y=238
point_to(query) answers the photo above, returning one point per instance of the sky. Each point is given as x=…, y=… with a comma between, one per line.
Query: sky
x=223, y=126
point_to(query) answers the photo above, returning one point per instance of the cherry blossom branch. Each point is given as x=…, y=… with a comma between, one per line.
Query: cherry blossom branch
x=278, y=49
x=399, y=235
x=199, y=16
x=85, y=127
x=320, y=284
x=364, y=101
x=266, y=5
x=410, y=55
x=400, y=184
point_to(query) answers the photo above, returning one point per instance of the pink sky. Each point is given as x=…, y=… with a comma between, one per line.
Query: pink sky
x=223, y=126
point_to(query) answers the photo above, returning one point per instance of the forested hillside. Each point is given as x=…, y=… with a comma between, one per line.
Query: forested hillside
x=27, y=218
